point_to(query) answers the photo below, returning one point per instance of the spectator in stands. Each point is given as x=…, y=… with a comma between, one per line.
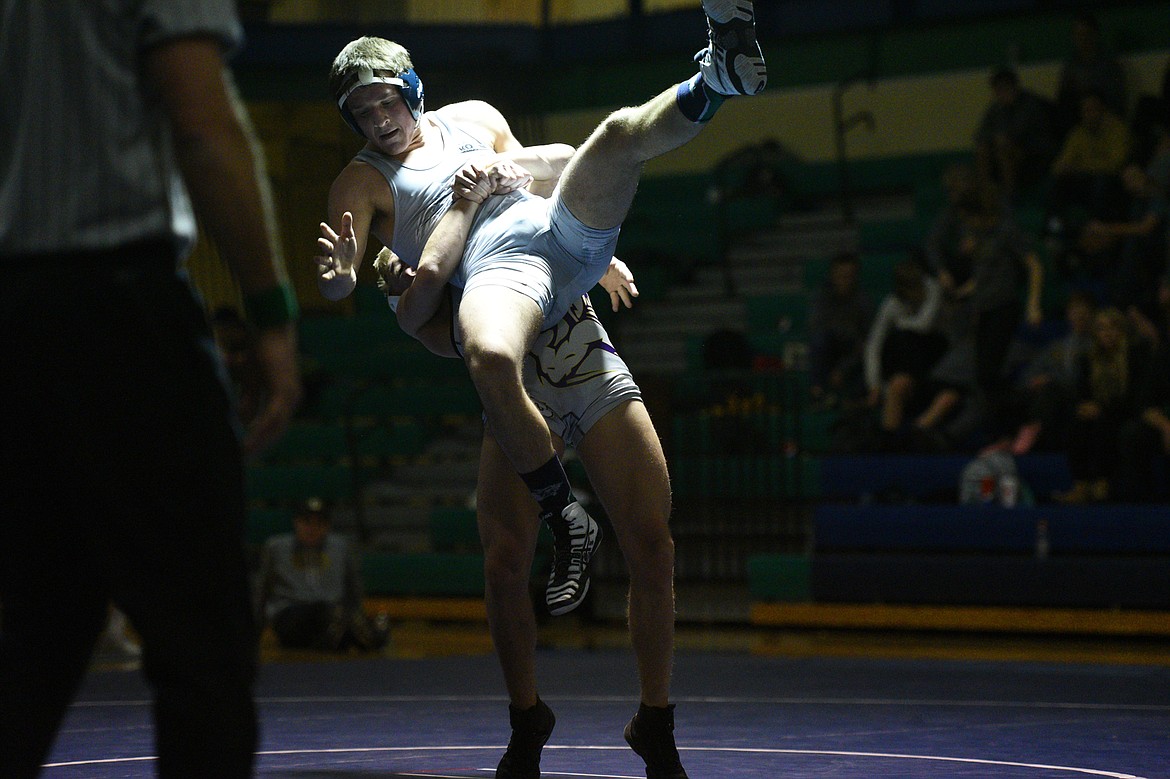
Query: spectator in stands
x=310, y=587
x=1086, y=176
x=1089, y=69
x=941, y=247
x=1150, y=125
x=1014, y=144
x=1136, y=245
x=1087, y=170
x=951, y=263
x=1044, y=391
x=1145, y=439
x=839, y=319
x=1107, y=397
x=1003, y=262
x=902, y=347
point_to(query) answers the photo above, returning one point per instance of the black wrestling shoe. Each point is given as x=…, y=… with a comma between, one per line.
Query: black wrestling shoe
x=651, y=734
x=575, y=539
x=530, y=730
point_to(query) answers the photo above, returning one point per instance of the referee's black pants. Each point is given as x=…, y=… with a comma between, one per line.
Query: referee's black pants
x=123, y=482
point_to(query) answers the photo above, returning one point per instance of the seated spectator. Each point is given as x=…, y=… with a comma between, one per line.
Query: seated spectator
x=1090, y=68
x=902, y=347
x=1003, y=262
x=1146, y=438
x=1044, y=391
x=310, y=587
x=839, y=319
x=940, y=248
x=1136, y=245
x=1151, y=121
x=1111, y=374
x=1014, y=144
x=1087, y=172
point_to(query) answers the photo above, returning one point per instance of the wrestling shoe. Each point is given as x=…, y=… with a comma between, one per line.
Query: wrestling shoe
x=574, y=541
x=651, y=734
x=530, y=730
x=732, y=63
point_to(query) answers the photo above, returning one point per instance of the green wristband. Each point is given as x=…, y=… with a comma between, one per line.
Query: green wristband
x=272, y=307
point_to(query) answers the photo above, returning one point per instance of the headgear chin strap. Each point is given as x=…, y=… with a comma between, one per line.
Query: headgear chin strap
x=408, y=84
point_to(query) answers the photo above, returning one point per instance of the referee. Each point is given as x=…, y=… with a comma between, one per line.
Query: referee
x=122, y=454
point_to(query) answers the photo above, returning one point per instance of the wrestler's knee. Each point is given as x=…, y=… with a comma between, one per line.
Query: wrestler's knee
x=618, y=132
x=650, y=555
x=506, y=565
x=492, y=359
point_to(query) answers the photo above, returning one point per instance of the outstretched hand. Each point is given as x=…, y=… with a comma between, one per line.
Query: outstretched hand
x=618, y=281
x=336, y=251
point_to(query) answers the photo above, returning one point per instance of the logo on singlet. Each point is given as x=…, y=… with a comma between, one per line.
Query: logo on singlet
x=467, y=148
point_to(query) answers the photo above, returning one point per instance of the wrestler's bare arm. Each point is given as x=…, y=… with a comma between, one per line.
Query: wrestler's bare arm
x=357, y=198
x=395, y=277
x=545, y=162
x=440, y=257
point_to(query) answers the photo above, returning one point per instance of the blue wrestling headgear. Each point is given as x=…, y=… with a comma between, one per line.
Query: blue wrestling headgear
x=408, y=84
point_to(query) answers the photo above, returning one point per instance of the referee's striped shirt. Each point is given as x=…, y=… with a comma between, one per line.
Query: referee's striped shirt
x=85, y=161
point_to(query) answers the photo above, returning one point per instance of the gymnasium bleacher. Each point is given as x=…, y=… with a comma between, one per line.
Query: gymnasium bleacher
x=391, y=432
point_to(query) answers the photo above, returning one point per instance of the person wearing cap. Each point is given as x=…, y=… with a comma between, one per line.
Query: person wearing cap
x=310, y=587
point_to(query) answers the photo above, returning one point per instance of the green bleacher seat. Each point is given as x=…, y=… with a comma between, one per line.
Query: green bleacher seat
x=264, y=522
x=289, y=484
x=780, y=577
x=889, y=234
x=454, y=529
x=785, y=313
x=369, y=345
x=748, y=214
x=816, y=430
x=815, y=272
x=448, y=399
x=309, y=442
x=390, y=439
x=319, y=335
x=420, y=400
x=877, y=272
x=423, y=573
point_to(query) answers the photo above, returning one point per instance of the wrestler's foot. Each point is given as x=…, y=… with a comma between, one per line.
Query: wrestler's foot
x=732, y=63
x=530, y=730
x=651, y=734
x=574, y=541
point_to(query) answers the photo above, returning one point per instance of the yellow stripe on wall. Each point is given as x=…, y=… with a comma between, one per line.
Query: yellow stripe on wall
x=913, y=115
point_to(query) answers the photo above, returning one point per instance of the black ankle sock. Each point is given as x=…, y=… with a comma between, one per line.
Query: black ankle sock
x=656, y=716
x=537, y=718
x=550, y=486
